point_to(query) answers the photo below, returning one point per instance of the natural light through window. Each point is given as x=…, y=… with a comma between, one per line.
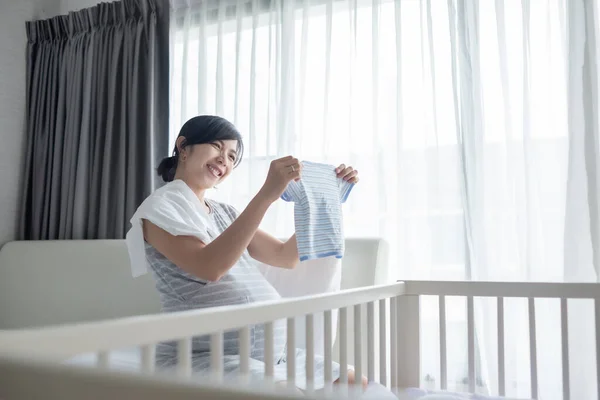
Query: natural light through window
x=462, y=153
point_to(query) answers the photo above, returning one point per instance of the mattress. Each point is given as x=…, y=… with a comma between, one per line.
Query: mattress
x=420, y=394
x=129, y=360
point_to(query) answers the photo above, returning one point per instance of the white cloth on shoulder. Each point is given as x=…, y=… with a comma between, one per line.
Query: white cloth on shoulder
x=174, y=208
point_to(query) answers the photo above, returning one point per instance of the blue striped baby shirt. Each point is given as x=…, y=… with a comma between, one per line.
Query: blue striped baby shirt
x=318, y=198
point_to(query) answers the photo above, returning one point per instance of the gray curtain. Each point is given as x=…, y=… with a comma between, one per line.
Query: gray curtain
x=97, y=118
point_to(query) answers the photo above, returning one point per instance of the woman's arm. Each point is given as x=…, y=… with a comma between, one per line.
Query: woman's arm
x=272, y=251
x=211, y=261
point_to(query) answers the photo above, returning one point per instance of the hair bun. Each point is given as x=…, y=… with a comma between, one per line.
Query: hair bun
x=167, y=167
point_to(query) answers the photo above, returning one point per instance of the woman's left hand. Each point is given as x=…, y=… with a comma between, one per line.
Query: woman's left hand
x=348, y=174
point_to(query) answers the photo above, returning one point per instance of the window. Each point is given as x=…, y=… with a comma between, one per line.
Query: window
x=462, y=155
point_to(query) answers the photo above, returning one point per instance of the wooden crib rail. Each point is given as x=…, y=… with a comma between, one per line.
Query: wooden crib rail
x=500, y=291
x=503, y=289
x=69, y=340
x=392, y=340
x=62, y=342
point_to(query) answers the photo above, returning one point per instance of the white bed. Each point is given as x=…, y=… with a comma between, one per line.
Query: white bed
x=70, y=312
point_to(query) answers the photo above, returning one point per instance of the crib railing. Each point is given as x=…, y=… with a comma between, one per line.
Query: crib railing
x=101, y=337
x=392, y=340
x=500, y=291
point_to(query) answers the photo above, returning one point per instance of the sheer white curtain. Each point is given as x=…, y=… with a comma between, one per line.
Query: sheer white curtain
x=474, y=128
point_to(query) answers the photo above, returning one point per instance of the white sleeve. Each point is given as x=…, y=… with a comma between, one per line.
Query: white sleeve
x=172, y=213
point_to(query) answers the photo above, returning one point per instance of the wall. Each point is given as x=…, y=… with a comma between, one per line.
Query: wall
x=13, y=41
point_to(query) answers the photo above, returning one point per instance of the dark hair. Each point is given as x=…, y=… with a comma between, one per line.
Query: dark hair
x=200, y=130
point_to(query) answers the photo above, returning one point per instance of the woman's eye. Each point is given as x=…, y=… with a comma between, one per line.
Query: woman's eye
x=216, y=145
x=232, y=158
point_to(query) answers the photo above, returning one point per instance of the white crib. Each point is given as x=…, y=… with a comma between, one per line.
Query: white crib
x=385, y=345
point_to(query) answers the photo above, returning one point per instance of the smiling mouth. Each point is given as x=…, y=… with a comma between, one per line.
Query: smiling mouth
x=215, y=171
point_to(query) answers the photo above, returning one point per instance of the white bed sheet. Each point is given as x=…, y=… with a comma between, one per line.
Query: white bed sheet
x=420, y=394
x=129, y=360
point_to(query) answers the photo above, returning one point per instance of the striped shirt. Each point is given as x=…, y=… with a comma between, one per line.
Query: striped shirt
x=243, y=283
x=318, y=199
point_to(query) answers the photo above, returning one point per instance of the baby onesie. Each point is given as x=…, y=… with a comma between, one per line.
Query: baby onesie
x=318, y=198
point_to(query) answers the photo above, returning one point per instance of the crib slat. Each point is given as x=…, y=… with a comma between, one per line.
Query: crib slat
x=408, y=311
x=310, y=352
x=471, y=338
x=382, y=343
x=564, y=328
x=103, y=359
x=393, y=344
x=184, y=357
x=216, y=355
x=443, y=356
x=501, y=374
x=357, y=344
x=371, y=341
x=328, y=331
x=244, y=338
x=269, y=350
x=148, y=356
x=343, y=344
x=291, y=352
x=533, y=349
x=597, y=312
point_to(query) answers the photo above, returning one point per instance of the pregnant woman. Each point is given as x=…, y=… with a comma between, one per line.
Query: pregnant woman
x=203, y=253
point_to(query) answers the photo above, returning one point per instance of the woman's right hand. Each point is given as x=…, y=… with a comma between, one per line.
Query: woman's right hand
x=281, y=172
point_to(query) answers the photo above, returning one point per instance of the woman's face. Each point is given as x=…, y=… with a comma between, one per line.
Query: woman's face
x=210, y=163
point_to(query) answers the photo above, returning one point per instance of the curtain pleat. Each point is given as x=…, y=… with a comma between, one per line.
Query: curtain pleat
x=97, y=118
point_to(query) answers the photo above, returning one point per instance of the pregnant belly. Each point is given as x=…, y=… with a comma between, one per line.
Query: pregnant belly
x=230, y=291
x=234, y=291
